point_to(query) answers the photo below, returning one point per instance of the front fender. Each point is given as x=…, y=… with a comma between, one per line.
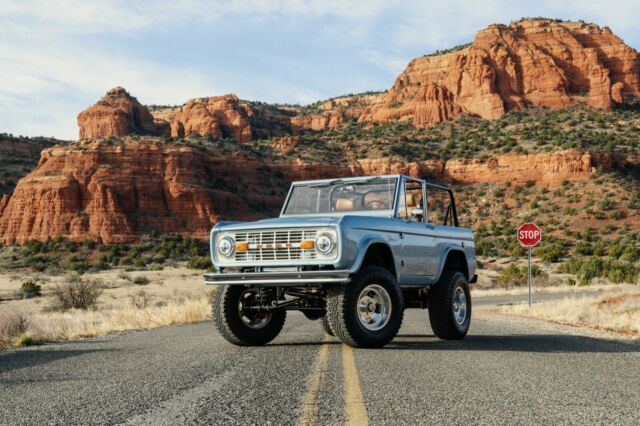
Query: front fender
x=363, y=247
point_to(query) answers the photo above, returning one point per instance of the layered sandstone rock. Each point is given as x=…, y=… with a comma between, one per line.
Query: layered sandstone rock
x=220, y=116
x=116, y=114
x=116, y=192
x=543, y=169
x=528, y=63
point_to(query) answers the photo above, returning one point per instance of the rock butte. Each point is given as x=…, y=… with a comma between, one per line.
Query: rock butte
x=118, y=190
x=540, y=63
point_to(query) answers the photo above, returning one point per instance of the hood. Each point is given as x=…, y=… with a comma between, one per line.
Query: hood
x=280, y=222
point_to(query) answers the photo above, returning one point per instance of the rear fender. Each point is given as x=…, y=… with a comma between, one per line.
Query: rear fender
x=456, y=251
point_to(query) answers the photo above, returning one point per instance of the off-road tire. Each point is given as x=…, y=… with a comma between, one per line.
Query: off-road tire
x=441, y=311
x=326, y=326
x=342, y=309
x=224, y=309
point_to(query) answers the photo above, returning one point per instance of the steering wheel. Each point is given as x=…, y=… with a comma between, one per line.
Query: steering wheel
x=376, y=205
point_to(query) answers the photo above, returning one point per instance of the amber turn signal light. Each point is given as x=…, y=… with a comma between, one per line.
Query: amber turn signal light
x=307, y=244
x=241, y=247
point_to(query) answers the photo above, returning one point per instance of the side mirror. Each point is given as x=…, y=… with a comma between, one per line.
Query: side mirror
x=417, y=213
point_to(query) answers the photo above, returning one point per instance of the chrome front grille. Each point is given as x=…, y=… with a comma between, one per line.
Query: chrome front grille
x=275, y=245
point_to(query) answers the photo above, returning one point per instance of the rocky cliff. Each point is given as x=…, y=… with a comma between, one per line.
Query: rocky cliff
x=118, y=191
x=541, y=63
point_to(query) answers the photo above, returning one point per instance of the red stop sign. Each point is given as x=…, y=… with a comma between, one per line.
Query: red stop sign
x=529, y=234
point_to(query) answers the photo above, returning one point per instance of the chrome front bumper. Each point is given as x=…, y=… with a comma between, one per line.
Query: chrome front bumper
x=285, y=278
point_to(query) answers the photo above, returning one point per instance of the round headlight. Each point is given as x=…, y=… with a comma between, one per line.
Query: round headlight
x=324, y=243
x=226, y=246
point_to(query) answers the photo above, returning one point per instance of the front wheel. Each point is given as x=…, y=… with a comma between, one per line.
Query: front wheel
x=238, y=318
x=368, y=311
x=450, y=306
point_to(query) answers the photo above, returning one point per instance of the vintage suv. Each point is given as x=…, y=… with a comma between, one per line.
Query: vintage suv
x=354, y=252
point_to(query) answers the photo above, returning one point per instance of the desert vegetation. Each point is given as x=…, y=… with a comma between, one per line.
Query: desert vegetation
x=21, y=329
x=92, y=304
x=619, y=312
x=56, y=256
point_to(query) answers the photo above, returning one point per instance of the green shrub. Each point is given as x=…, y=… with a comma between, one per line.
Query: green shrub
x=551, y=252
x=141, y=280
x=200, y=262
x=584, y=248
x=78, y=293
x=30, y=289
x=517, y=277
x=24, y=340
x=586, y=269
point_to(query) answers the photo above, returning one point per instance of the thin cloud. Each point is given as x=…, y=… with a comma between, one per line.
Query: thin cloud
x=59, y=57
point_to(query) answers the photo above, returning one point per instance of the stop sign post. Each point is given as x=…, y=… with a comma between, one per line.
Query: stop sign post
x=529, y=235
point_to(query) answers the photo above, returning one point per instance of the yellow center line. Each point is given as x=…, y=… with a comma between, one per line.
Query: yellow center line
x=310, y=405
x=355, y=409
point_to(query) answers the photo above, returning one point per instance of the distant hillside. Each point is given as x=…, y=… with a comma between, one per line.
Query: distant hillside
x=18, y=156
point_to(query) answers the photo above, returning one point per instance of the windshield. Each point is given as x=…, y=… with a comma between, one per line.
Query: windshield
x=342, y=196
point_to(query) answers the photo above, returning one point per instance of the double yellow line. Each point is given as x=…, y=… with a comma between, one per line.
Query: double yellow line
x=355, y=408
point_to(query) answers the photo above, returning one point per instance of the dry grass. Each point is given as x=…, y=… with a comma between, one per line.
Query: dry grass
x=76, y=323
x=618, y=312
x=12, y=325
x=537, y=289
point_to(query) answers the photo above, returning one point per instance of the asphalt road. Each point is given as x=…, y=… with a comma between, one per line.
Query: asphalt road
x=507, y=370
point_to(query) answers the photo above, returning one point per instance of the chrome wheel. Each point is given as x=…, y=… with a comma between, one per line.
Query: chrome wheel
x=460, y=305
x=253, y=318
x=374, y=307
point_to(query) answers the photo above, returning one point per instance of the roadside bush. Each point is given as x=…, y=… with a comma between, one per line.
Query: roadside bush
x=12, y=325
x=30, y=289
x=586, y=269
x=514, y=276
x=78, y=293
x=141, y=280
x=551, y=252
x=199, y=262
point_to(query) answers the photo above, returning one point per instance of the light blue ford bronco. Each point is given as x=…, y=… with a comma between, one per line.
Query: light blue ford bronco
x=353, y=252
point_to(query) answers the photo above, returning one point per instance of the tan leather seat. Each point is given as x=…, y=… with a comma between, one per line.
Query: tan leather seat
x=414, y=200
x=344, y=205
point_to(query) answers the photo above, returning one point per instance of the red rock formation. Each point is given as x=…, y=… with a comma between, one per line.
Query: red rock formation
x=527, y=63
x=3, y=203
x=221, y=116
x=117, y=192
x=116, y=114
x=544, y=169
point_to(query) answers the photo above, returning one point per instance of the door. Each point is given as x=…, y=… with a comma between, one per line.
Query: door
x=418, y=239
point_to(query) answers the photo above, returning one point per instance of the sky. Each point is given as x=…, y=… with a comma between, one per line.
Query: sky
x=59, y=57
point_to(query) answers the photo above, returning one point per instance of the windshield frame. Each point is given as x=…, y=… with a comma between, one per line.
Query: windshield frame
x=390, y=212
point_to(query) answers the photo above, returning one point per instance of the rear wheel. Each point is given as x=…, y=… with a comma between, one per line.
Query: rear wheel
x=239, y=320
x=450, y=306
x=368, y=311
